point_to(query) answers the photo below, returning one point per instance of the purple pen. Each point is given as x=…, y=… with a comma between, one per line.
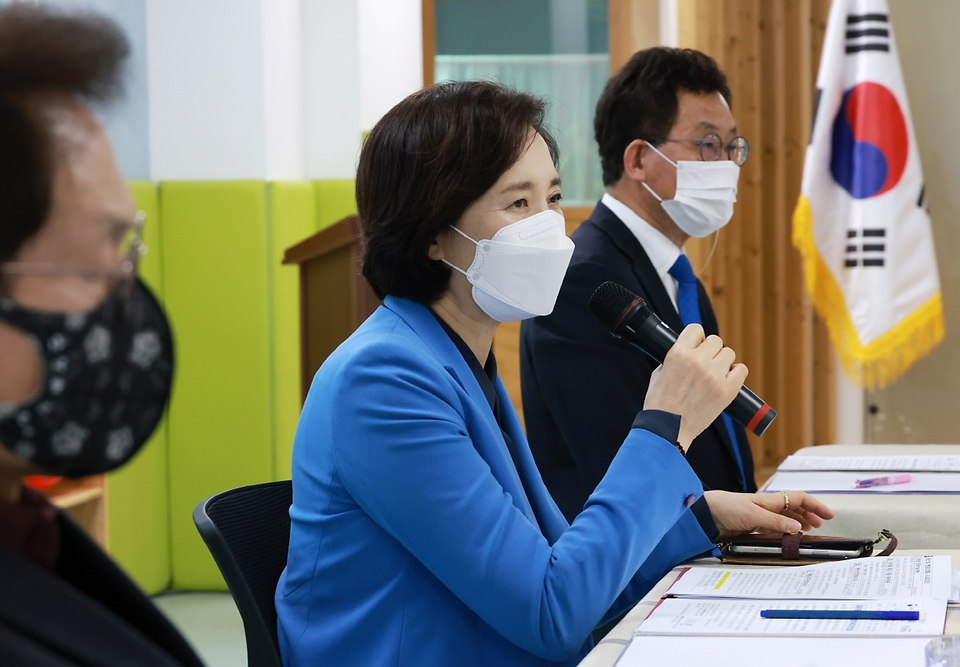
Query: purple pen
x=882, y=481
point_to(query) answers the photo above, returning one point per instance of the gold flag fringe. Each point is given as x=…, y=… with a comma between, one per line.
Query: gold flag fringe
x=883, y=360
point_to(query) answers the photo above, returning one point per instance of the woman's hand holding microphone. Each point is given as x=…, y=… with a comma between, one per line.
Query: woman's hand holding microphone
x=698, y=379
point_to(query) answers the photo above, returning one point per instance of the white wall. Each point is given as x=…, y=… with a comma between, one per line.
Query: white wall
x=391, y=55
x=260, y=89
x=332, y=87
x=283, y=88
x=206, y=88
x=849, y=409
x=922, y=405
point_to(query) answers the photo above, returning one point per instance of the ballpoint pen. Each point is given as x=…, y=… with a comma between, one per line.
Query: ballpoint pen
x=841, y=614
x=882, y=481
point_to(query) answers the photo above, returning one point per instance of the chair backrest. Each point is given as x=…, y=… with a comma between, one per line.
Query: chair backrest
x=248, y=532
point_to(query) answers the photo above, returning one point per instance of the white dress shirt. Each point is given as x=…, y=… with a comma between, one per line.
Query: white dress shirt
x=662, y=251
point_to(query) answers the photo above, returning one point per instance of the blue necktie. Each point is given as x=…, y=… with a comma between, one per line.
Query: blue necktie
x=689, y=307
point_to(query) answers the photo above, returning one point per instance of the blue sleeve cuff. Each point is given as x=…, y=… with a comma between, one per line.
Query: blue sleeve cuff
x=658, y=422
x=667, y=426
x=701, y=511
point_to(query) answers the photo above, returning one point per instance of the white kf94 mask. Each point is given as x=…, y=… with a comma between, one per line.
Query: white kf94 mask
x=706, y=192
x=517, y=274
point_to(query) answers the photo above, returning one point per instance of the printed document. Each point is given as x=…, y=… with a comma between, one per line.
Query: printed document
x=699, y=616
x=854, y=579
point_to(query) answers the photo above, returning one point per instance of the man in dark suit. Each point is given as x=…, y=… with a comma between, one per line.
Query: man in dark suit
x=670, y=156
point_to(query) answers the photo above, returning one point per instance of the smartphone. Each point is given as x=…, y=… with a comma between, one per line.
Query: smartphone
x=808, y=552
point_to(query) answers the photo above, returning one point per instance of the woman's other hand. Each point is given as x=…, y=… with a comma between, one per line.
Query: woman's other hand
x=698, y=379
x=780, y=512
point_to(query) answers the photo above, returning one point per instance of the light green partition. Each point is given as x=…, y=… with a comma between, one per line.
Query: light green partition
x=335, y=200
x=216, y=279
x=215, y=261
x=138, y=513
x=292, y=219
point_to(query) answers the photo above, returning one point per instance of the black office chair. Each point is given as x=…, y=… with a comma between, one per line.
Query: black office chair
x=248, y=532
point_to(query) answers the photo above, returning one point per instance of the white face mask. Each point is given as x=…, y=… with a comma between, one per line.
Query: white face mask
x=518, y=273
x=706, y=192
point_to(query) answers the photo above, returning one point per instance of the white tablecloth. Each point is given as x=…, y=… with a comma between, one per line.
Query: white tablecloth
x=605, y=654
x=918, y=521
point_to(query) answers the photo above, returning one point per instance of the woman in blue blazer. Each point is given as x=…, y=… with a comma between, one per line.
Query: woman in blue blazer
x=421, y=531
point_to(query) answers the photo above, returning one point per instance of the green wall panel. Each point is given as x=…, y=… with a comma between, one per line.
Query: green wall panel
x=215, y=261
x=216, y=283
x=335, y=200
x=292, y=219
x=138, y=512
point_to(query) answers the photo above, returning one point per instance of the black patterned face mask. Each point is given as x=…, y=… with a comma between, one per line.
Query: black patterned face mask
x=107, y=378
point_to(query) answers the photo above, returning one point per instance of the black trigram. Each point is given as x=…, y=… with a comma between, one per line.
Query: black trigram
x=868, y=32
x=870, y=252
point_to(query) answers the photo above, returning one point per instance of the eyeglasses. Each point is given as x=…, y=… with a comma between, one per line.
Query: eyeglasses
x=712, y=148
x=128, y=235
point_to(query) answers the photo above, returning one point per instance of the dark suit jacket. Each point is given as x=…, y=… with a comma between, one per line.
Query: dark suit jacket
x=582, y=387
x=88, y=613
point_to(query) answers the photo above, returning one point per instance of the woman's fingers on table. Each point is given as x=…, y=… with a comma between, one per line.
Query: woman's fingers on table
x=736, y=513
x=743, y=513
x=802, y=506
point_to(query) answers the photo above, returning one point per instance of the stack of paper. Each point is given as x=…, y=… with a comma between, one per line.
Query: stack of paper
x=707, y=608
x=839, y=474
x=944, y=463
x=657, y=651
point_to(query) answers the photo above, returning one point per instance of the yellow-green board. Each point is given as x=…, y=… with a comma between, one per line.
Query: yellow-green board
x=292, y=219
x=335, y=200
x=215, y=262
x=216, y=285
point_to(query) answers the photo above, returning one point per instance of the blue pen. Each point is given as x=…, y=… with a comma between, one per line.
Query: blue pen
x=841, y=614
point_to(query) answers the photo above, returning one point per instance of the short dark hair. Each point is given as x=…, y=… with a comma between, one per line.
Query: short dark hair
x=640, y=101
x=423, y=164
x=45, y=52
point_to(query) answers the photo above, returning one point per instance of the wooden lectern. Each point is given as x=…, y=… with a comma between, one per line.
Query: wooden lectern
x=334, y=297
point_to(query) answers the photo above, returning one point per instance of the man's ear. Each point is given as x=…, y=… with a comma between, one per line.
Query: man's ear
x=633, y=156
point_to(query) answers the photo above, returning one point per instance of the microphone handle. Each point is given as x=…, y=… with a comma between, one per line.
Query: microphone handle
x=747, y=408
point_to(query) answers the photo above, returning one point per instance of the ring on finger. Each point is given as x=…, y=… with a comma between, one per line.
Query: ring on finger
x=786, y=501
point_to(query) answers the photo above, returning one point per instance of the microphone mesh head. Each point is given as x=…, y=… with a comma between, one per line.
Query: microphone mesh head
x=609, y=302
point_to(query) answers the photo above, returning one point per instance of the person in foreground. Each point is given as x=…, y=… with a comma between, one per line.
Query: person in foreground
x=671, y=161
x=421, y=532
x=86, y=355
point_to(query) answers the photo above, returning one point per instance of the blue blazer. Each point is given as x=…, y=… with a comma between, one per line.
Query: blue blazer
x=412, y=541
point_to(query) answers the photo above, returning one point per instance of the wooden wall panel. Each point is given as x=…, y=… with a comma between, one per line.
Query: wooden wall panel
x=776, y=236
x=634, y=25
x=428, y=17
x=770, y=53
x=797, y=342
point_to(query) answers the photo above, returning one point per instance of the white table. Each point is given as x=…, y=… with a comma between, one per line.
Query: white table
x=605, y=654
x=919, y=521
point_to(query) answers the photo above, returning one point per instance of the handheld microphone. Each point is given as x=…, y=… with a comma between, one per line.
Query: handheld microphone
x=627, y=314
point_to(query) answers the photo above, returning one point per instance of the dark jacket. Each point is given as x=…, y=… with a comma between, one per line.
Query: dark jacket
x=582, y=387
x=87, y=613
